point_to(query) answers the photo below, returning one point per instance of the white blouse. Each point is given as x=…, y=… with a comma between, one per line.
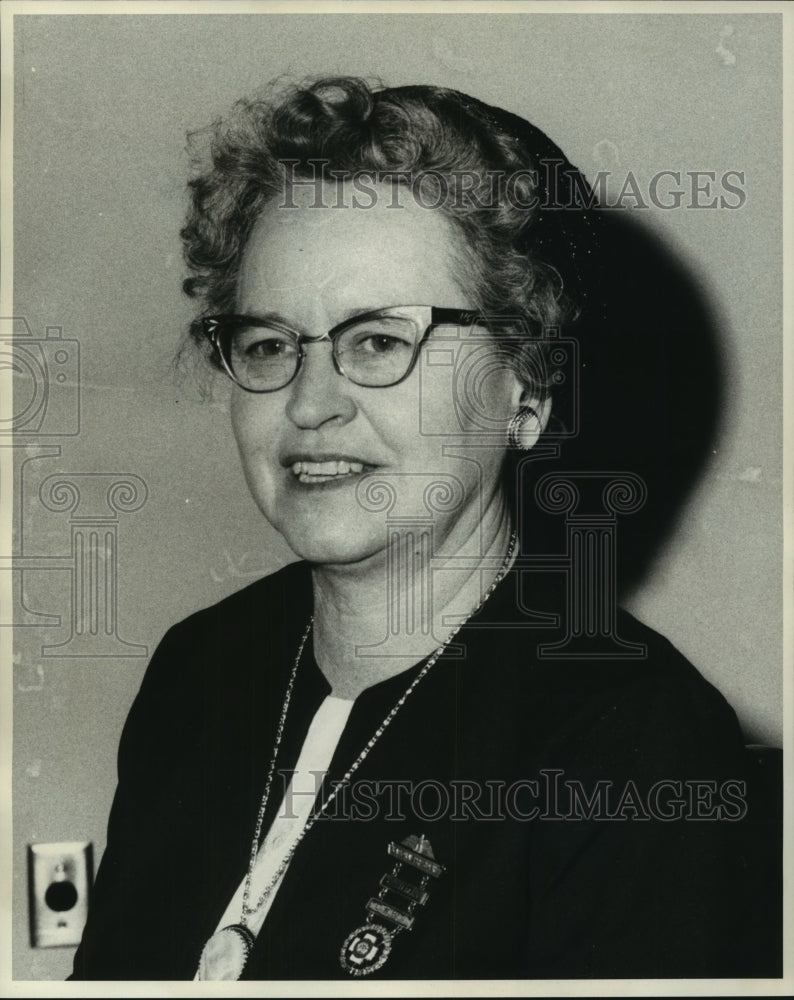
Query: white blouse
x=315, y=758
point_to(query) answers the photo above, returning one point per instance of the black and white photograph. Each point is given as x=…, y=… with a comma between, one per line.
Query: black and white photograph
x=397, y=504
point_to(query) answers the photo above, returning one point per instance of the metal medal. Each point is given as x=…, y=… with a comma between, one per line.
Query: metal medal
x=367, y=948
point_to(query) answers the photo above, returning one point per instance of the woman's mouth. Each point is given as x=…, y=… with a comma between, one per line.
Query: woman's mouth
x=325, y=472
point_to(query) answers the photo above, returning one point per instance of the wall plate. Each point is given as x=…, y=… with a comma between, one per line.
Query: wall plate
x=60, y=877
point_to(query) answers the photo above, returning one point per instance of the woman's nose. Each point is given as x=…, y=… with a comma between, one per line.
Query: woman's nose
x=318, y=393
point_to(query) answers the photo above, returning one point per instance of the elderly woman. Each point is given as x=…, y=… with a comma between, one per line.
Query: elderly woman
x=388, y=758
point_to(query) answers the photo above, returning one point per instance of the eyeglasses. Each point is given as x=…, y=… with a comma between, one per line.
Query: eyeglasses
x=374, y=349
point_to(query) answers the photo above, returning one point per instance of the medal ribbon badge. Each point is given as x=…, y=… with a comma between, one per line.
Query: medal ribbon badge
x=367, y=948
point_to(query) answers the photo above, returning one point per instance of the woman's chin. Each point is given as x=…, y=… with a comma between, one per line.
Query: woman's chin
x=333, y=548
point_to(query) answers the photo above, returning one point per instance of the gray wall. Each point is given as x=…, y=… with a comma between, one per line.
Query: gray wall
x=102, y=107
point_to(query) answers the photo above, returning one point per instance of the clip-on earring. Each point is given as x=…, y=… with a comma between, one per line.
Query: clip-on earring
x=517, y=436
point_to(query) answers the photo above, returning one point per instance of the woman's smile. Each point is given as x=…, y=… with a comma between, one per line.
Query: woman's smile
x=312, y=472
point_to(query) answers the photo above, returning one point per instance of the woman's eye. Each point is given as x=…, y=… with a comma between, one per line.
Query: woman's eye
x=268, y=348
x=265, y=347
x=378, y=339
x=381, y=343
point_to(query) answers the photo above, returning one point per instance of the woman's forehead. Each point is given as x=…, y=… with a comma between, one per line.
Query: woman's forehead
x=383, y=251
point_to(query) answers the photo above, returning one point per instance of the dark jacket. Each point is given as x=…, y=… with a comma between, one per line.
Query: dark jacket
x=628, y=856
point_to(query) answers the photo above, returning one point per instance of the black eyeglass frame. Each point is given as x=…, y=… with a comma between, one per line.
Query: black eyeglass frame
x=223, y=326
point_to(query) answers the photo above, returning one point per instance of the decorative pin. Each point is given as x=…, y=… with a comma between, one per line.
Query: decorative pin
x=368, y=947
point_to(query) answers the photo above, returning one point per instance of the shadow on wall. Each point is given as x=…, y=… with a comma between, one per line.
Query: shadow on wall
x=650, y=390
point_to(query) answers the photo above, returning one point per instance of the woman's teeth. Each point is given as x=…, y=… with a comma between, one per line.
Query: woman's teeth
x=318, y=472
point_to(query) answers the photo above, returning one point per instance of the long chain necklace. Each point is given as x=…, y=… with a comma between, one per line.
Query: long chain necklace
x=225, y=954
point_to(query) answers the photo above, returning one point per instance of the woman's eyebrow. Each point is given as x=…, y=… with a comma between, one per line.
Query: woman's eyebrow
x=269, y=316
x=362, y=310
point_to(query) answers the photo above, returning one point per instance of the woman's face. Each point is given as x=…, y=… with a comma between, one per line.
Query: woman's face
x=313, y=268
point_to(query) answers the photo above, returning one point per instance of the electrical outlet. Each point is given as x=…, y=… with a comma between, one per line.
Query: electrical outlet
x=59, y=885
